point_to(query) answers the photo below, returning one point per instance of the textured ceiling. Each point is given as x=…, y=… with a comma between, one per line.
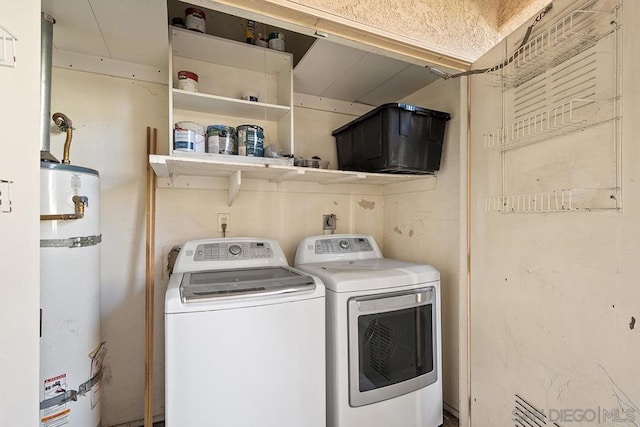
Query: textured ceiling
x=462, y=28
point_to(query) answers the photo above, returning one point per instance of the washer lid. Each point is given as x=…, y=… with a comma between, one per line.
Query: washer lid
x=370, y=274
x=242, y=283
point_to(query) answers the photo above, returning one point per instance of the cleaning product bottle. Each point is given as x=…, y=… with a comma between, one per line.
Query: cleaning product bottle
x=250, y=32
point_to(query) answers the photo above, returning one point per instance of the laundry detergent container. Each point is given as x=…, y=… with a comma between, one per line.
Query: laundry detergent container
x=393, y=138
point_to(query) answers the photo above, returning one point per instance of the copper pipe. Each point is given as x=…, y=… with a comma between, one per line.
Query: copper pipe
x=150, y=282
x=80, y=202
x=64, y=124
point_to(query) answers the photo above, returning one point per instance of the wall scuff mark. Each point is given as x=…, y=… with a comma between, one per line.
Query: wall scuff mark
x=632, y=324
x=366, y=204
x=397, y=230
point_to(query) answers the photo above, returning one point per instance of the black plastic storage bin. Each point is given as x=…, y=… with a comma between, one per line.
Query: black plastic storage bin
x=393, y=138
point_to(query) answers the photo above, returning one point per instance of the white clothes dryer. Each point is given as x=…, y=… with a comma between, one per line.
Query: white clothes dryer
x=244, y=338
x=383, y=334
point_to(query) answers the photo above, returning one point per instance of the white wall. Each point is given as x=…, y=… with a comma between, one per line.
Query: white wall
x=554, y=295
x=20, y=230
x=110, y=116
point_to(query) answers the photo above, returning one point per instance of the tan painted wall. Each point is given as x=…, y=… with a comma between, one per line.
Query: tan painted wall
x=425, y=226
x=554, y=295
x=110, y=116
x=20, y=229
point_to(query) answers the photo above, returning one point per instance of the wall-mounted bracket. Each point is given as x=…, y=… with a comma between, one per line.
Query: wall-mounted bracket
x=235, y=180
x=5, y=196
x=7, y=48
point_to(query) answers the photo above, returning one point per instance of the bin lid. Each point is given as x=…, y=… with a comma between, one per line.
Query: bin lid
x=407, y=107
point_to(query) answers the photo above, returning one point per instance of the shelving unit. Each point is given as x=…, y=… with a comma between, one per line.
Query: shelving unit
x=561, y=82
x=236, y=168
x=226, y=69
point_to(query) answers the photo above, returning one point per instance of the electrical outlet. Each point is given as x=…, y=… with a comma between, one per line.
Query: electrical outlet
x=223, y=218
x=329, y=222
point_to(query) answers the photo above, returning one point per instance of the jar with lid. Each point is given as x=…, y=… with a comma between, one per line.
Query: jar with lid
x=194, y=19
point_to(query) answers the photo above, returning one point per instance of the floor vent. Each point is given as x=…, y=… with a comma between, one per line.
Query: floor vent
x=527, y=415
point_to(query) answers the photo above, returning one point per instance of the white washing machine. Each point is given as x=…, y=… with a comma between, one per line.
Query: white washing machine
x=244, y=338
x=383, y=334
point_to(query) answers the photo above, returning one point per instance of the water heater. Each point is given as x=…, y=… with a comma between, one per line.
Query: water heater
x=71, y=351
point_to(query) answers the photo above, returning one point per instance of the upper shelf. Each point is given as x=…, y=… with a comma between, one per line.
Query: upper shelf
x=230, y=53
x=222, y=105
x=570, y=35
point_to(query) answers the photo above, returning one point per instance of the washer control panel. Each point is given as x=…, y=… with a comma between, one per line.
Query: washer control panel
x=342, y=245
x=232, y=250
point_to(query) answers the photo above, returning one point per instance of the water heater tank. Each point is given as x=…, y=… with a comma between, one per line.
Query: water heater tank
x=71, y=350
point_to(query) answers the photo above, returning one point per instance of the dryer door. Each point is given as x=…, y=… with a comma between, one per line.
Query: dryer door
x=392, y=345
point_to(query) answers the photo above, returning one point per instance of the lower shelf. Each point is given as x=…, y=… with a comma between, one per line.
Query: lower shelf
x=570, y=200
x=233, y=168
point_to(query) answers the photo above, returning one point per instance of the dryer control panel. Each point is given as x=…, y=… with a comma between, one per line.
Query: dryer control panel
x=337, y=247
x=341, y=245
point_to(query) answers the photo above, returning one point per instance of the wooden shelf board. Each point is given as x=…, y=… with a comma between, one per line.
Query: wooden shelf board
x=230, y=53
x=221, y=105
x=196, y=166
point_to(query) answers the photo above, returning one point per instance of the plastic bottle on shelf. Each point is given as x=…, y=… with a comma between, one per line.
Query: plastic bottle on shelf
x=276, y=41
x=250, y=32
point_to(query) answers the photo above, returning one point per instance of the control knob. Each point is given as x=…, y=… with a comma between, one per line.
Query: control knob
x=235, y=250
x=344, y=244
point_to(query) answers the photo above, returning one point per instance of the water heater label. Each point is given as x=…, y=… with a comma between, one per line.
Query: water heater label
x=55, y=416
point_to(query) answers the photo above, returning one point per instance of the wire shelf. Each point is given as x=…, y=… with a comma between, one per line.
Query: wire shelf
x=560, y=120
x=7, y=48
x=570, y=200
x=572, y=34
